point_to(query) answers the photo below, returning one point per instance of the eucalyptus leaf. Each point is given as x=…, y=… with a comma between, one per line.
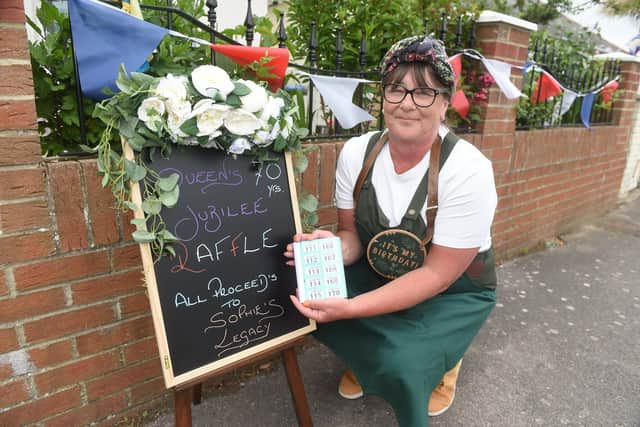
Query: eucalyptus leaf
x=132, y=206
x=280, y=143
x=190, y=127
x=167, y=236
x=170, y=249
x=169, y=199
x=138, y=222
x=234, y=100
x=123, y=82
x=300, y=163
x=168, y=183
x=152, y=206
x=143, y=236
x=241, y=89
x=308, y=203
x=134, y=172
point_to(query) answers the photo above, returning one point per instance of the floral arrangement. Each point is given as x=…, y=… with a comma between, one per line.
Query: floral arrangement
x=205, y=108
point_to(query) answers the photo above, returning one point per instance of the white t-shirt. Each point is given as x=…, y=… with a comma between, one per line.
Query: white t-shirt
x=467, y=196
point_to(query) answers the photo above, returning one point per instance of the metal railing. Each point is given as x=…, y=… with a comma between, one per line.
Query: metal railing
x=319, y=126
x=579, y=74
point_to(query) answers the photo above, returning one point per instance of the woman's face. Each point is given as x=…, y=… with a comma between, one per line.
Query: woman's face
x=408, y=123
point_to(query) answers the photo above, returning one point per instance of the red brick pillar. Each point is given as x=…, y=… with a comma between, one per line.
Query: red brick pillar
x=506, y=39
x=624, y=113
x=25, y=229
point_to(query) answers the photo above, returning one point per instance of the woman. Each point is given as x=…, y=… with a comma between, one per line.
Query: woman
x=400, y=336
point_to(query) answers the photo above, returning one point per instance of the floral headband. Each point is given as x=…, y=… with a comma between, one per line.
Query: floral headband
x=420, y=49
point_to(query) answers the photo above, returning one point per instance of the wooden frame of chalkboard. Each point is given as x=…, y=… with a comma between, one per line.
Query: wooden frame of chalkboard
x=224, y=297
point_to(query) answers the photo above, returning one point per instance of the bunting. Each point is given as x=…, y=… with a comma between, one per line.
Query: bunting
x=585, y=109
x=459, y=100
x=105, y=37
x=244, y=55
x=338, y=93
x=608, y=90
x=545, y=87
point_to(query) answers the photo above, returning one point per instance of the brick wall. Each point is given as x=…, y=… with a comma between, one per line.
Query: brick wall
x=76, y=338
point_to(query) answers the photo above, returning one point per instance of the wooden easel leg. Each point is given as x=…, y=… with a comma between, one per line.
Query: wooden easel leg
x=197, y=394
x=182, y=399
x=296, y=387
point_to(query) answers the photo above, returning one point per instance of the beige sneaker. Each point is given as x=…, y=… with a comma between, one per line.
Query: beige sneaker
x=444, y=393
x=349, y=387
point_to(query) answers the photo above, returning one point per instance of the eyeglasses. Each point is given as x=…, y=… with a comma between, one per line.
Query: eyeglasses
x=422, y=97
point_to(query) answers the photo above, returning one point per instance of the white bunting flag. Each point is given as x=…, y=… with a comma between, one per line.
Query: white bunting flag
x=338, y=93
x=501, y=73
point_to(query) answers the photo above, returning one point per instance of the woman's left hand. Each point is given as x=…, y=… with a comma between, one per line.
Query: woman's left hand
x=325, y=310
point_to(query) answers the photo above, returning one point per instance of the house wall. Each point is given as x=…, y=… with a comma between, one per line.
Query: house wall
x=76, y=339
x=631, y=176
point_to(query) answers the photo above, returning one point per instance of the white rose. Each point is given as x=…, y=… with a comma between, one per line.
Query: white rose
x=207, y=77
x=239, y=145
x=172, y=87
x=262, y=138
x=212, y=140
x=178, y=112
x=150, y=108
x=255, y=100
x=210, y=118
x=241, y=122
x=272, y=108
x=151, y=111
x=287, y=129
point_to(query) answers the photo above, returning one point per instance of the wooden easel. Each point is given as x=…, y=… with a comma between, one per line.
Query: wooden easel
x=192, y=392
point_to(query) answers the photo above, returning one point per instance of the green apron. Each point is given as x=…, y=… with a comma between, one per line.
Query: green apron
x=403, y=356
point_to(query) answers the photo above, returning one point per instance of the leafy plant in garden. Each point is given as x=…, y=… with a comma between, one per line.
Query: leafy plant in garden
x=54, y=86
x=378, y=20
x=570, y=61
x=205, y=108
x=475, y=82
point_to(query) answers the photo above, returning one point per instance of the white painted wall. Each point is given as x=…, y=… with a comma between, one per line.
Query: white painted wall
x=631, y=176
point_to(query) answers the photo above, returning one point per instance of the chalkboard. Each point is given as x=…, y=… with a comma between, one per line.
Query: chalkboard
x=225, y=295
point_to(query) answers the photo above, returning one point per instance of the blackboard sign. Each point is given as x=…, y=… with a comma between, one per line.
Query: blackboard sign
x=225, y=295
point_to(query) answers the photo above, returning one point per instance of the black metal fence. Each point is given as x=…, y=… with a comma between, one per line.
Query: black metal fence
x=578, y=74
x=319, y=120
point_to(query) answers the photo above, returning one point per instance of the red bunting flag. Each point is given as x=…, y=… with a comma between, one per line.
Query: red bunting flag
x=456, y=63
x=545, y=88
x=460, y=103
x=608, y=90
x=244, y=55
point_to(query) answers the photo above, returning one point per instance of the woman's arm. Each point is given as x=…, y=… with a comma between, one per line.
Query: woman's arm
x=351, y=246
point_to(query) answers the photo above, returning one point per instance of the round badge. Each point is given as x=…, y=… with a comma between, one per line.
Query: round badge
x=392, y=253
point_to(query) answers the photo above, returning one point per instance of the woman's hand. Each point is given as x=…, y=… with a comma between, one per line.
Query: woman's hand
x=317, y=234
x=325, y=310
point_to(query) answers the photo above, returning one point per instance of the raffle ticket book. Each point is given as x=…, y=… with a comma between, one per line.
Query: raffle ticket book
x=319, y=269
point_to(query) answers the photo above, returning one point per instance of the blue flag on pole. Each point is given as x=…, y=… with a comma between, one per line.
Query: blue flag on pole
x=105, y=37
x=585, y=109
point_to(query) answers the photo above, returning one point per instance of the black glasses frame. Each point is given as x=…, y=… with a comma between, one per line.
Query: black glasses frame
x=436, y=92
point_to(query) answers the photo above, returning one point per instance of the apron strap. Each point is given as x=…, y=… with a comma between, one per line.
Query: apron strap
x=373, y=149
x=432, y=190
